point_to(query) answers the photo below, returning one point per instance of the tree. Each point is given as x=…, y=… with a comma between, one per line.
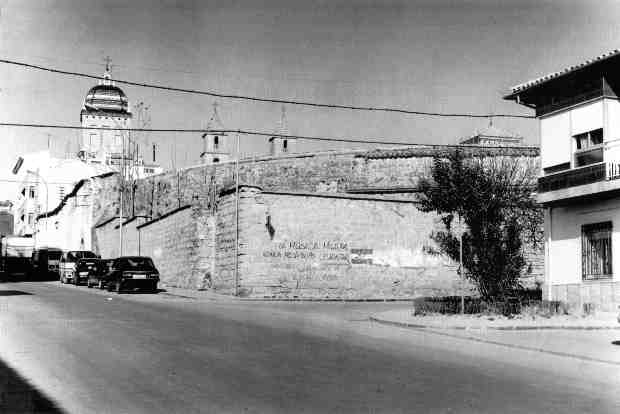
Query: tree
x=493, y=197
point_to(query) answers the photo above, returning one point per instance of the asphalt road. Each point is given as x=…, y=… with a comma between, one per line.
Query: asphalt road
x=88, y=351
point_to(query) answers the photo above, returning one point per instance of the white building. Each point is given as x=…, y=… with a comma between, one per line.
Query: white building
x=69, y=225
x=105, y=110
x=43, y=183
x=579, y=116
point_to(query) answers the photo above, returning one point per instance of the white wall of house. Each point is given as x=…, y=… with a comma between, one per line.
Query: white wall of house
x=70, y=228
x=563, y=229
x=557, y=130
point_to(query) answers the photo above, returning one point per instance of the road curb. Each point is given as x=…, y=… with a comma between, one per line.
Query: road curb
x=434, y=330
x=497, y=328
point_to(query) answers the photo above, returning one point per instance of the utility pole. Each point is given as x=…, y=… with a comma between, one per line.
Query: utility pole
x=122, y=185
x=237, y=219
x=461, y=265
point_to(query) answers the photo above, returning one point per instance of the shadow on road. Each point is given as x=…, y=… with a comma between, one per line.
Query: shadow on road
x=13, y=293
x=615, y=343
x=18, y=396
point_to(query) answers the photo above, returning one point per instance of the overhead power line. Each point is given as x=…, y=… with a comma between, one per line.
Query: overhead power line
x=269, y=100
x=238, y=131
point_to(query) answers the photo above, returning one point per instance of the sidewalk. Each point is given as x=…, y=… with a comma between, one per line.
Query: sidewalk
x=595, y=338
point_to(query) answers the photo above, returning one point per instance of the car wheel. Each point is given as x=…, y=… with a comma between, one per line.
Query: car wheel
x=118, y=286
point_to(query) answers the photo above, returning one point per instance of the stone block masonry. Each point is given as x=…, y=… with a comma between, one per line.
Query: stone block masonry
x=180, y=244
x=305, y=245
x=348, y=171
x=324, y=225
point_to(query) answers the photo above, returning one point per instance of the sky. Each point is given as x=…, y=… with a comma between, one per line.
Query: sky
x=426, y=55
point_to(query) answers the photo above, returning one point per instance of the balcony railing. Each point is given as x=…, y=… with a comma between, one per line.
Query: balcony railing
x=570, y=178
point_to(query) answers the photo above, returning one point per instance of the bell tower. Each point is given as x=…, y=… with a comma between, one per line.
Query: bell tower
x=280, y=143
x=215, y=145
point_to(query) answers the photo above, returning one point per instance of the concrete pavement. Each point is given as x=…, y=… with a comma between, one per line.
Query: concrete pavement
x=594, y=338
x=92, y=351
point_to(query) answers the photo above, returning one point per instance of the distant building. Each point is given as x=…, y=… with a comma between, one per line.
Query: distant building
x=281, y=143
x=107, y=107
x=578, y=110
x=6, y=218
x=216, y=146
x=491, y=136
x=43, y=182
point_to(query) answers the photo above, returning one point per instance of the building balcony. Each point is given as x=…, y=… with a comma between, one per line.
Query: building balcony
x=598, y=179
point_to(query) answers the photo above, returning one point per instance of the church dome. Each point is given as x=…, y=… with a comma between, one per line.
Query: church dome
x=106, y=97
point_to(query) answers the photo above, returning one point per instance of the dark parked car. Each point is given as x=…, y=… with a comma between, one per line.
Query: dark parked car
x=86, y=267
x=68, y=266
x=132, y=272
x=98, y=278
x=45, y=262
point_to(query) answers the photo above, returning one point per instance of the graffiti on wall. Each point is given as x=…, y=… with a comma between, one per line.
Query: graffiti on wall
x=327, y=251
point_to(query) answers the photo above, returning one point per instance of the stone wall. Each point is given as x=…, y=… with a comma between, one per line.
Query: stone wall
x=350, y=171
x=180, y=244
x=106, y=239
x=334, y=246
x=344, y=225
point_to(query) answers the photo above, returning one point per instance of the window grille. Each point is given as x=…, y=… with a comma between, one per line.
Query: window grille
x=596, y=251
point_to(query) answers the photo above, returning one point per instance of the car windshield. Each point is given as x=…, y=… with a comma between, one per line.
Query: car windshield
x=54, y=255
x=136, y=263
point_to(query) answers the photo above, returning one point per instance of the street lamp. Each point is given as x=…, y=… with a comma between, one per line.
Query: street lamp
x=46, y=193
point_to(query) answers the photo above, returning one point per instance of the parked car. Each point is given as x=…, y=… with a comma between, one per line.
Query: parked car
x=45, y=261
x=86, y=267
x=132, y=272
x=68, y=262
x=98, y=278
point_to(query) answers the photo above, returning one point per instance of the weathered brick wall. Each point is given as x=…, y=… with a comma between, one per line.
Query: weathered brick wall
x=317, y=172
x=208, y=233
x=131, y=236
x=311, y=246
x=225, y=238
x=170, y=242
x=105, y=240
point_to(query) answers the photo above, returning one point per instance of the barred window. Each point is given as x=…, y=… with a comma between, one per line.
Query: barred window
x=596, y=251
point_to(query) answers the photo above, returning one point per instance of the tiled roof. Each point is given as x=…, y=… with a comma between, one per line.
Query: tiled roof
x=535, y=82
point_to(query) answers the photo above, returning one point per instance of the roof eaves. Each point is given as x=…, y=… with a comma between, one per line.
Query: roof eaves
x=522, y=87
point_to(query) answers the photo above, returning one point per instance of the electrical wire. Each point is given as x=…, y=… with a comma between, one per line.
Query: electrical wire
x=269, y=100
x=247, y=132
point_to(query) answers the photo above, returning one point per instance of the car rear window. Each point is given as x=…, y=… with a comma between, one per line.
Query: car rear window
x=136, y=263
x=74, y=256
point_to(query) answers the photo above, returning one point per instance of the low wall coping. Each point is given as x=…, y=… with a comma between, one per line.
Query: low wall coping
x=176, y=210
x=347, y=196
